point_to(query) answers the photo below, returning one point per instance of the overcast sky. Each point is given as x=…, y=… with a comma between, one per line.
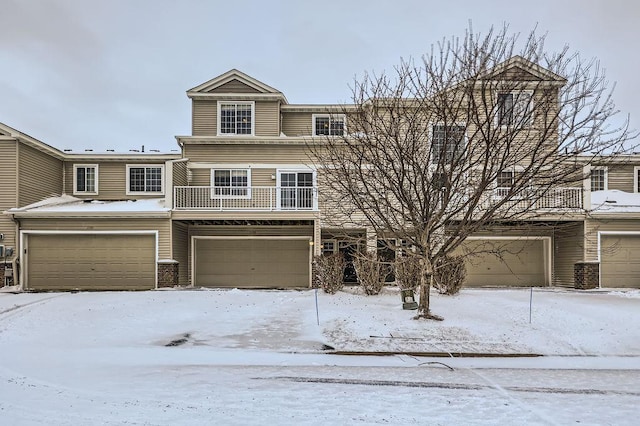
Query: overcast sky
x=113, y=74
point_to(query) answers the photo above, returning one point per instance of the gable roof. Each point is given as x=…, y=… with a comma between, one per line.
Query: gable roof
x=7, y=131
x=525, y=69
x=233, y=83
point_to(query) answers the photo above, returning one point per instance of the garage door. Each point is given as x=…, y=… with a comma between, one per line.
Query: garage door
x=252, y=263
x=91, y=262
x=506, y=263
x=620, y=261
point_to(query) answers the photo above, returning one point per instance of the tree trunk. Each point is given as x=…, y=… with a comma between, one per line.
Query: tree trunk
x=426, y=279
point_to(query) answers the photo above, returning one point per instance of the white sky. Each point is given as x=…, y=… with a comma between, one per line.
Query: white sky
x=113, y=74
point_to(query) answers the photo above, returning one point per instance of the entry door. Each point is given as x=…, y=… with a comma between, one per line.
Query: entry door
x=296, y=190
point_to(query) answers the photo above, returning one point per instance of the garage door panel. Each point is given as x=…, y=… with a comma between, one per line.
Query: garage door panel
x=505, y=263
x=91, y=261
x=260, y=263
x=620, y=261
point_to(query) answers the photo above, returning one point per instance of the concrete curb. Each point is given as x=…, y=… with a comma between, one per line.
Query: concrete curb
x=436, y=354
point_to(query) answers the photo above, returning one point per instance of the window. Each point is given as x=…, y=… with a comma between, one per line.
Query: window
x=636, y=179
x=599, y=179
x=514, y=109
x=504, y=182
x=296, y=189
x=235, y=118
x=85, y=178
x=328, y=125
x=145, y=179
x=231, y=182
x=448, y=143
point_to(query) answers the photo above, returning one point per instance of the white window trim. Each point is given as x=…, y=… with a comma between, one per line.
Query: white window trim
x=636, y=169
x=514, y=170
x=330, y=117
x=138, y=166
x=439, y=123
x=212, y=180
x=253, y=117
x=75, y=179
x=606, y=177
x=514, y=92
x=314, y=177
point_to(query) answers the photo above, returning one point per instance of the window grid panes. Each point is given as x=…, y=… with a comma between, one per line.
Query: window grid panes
x=86, y=179
x=448, y=141
x=514, y=109
x=145, y=179
x=598, y=179
x=236, y=118
x=232, y=182
x=329, y=126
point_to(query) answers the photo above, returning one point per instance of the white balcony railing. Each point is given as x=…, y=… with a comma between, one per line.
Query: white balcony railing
x=544, y=198
x=256, y=198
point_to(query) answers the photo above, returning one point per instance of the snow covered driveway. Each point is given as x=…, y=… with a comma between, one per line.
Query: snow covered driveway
x=255, y=357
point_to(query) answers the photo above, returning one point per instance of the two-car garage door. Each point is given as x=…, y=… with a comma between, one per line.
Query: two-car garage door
x=85, y=261
x=620, y=261
x=252, y=262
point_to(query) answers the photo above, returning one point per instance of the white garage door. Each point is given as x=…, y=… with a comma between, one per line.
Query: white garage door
x=91, y=261
x=252, y=263
x=506, y=263
x=620, y=261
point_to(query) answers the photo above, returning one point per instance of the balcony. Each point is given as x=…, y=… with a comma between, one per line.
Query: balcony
x=561, y=199
x=255, y=198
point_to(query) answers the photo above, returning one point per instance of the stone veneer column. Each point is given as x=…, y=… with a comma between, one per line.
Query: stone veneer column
x=168, y=273
x=586, y=275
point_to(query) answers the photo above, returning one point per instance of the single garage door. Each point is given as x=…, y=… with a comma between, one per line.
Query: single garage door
x=252, y=263
x=620, y=261
x=506, y=263
x=91, y=261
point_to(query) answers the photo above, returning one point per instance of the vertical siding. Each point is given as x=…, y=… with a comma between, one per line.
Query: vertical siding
x=274, y=154
x=620, y=177
x=181, y=251
x=204, y=115
x=568, y=250
x=7, y=190
x=267, y=119
x=594, y=226
x=163, y=227
x=297, y=123
x=39, y=175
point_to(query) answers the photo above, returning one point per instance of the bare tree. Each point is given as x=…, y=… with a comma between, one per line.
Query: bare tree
x=475, y=134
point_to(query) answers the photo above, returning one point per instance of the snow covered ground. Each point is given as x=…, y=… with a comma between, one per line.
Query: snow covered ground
x=256, y=357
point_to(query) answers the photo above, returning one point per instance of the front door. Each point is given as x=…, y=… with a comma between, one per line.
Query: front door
x=296, y=190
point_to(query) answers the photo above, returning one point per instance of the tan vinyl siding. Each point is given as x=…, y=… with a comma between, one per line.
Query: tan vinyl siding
x=181, y=251
x=267, y=121
x=204, y=117
x=7, y=191
x=594, y=226
x=273, y=154
x=297, y=123
x=180, y=173
x=40, y=175
x=234, y=86
x=568, y=250
x=259, y=177
x=620, y=177
x=112, y=180
x=75, y=224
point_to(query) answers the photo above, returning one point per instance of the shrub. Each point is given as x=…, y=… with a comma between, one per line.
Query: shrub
x=371, y=272
x=329, y=272
x=408, y=270
x=449, y=274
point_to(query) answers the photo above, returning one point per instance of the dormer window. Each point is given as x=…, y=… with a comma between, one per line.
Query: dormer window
x=236, y=118
x=328, y=124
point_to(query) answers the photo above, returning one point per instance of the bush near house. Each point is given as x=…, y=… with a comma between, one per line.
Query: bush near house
x=329, y=272
x=449, y=274
x=408, y=273
x=371, y=272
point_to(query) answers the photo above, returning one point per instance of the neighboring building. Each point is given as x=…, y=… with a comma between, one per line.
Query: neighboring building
x=239, y=206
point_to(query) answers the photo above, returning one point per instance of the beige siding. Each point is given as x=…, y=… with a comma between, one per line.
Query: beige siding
x=297, y=123
x=180, y=173
x=181, y=251
x=274, y=154
x=7, y=191
x=204, y=117
x=234, y=86
x=594, y=226
x=112, y=180
x=620, y=177
x=259, y=177
x=39, y=175
x=568, y=250
x=267, y=119
x=161, y=225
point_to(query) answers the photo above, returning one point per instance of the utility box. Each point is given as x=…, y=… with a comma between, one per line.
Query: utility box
x=408, y=299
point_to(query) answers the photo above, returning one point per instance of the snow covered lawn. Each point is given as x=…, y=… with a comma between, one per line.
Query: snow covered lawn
x=256, y=357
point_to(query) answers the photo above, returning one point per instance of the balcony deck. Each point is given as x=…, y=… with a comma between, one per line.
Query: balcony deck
x=255, y=198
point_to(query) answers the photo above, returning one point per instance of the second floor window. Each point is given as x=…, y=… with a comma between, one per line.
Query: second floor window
x=514, y=109
x=231, y=182
x=235, y=118
x=85, y=179
x=144, y=179
x=448, y=143
x=598, y=179
x=328, y=125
